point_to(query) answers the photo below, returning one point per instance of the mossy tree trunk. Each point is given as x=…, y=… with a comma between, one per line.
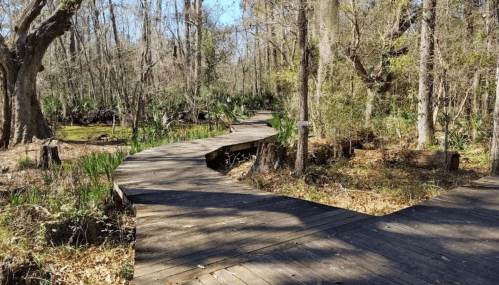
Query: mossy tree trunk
x=21, y=63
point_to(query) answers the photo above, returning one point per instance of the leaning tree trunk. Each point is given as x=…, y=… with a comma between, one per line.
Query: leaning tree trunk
x=21, y=63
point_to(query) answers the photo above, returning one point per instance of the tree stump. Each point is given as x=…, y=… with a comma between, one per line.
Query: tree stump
x=49, y=155
x=270, y=155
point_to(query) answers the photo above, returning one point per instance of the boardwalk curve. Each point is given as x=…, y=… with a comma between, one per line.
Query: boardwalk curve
x=195, y=226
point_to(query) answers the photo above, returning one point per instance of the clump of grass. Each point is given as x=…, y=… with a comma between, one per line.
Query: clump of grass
x=148, y=137
x=25, y=162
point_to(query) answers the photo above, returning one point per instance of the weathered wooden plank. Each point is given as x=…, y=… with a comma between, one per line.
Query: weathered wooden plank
x=269, y=273
x=151, y=248
x=232, y=217
x=267, y=234
x=267, y=246
x=313, y=269
x=368, y=260
x=451, y=249
x=480, y=210
x=208, y=279
x=464, y=225
x=423, y=267
x=246, y=275
x=189, y=282
x=441, y=209
x=470, y=237
x=227, y=277
x=280, y=265
x=449, y=263
x=192, y=208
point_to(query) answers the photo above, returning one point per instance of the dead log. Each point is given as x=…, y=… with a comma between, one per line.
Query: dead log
x=413, y=158
x=270, y=156
x=49, y=154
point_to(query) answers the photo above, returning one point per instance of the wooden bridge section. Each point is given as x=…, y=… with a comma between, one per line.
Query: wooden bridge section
x=195, y=226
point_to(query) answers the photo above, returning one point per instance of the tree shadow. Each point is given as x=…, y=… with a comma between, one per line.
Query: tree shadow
x=193, y=221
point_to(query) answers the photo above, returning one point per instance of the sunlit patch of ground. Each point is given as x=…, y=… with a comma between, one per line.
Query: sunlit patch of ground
x=84, y=133
x=371, y=188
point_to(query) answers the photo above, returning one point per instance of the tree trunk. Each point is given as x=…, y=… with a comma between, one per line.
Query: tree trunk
x=95, y=19
x=425, y=122
x=199, y=16
x=494, y=152
x=187, y=9
x=371, y=94
x=113, y=24
x=23, y=61
x=28, y=120
x=7, y=111
x=302, y=151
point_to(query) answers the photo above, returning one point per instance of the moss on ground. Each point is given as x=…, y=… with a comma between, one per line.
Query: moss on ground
x=84, y=133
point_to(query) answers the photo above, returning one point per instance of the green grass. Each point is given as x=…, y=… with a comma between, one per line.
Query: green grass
x=25, y=162
x=148, y=137
x=83, y=133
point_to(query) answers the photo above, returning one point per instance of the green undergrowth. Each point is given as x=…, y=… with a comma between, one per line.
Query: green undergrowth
x=150, y=137
x=84, y=133
x=70, y=208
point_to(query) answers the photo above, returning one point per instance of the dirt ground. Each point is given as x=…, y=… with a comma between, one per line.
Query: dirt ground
x=364, y=186
x=12, y=175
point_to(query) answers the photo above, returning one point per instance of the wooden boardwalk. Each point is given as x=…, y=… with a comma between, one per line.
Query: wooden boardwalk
x=195, y=226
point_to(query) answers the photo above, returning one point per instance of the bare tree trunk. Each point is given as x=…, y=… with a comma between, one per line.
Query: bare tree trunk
x=425, y=122
x=187, y=11
x=494, y=151
x=199, y=16
x=113, y=23
x=302, y=151
x=490, y=21
x=95, y=18
x=371, y=94
x=7, y=113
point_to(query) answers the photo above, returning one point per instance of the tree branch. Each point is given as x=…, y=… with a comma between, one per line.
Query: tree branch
x=358, y=66
x=405, y=23
x=55, y=26
x=29, y=15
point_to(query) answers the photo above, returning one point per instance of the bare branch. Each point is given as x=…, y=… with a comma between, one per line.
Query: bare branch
x=29, y=15
x=358, y=66
x=404, y=23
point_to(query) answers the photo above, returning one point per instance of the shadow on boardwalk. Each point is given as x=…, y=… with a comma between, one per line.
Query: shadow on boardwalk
x=196, y=226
